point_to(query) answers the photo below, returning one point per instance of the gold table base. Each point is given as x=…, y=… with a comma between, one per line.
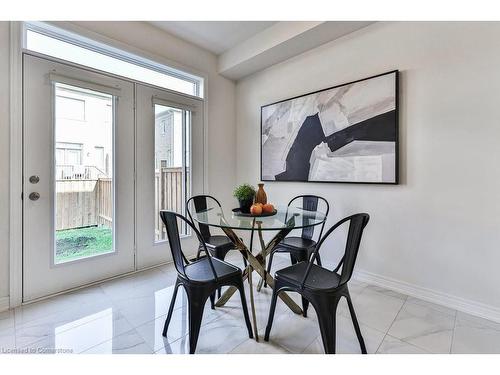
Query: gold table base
x=257, y=263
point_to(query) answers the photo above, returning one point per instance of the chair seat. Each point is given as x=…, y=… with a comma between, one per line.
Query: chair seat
x=219, y=242
x=201, y=271
x=296, y=243
x=319, y=278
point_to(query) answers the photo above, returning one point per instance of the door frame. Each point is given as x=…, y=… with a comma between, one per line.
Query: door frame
x=15, y=297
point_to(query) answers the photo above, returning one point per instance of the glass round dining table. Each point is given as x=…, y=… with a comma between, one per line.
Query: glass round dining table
x=282, y=221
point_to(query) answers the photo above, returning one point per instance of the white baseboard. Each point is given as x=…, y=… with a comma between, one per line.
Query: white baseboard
x=461, y=304
x=4, y=303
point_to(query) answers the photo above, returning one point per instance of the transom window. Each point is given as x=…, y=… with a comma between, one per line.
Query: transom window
x=49, y=40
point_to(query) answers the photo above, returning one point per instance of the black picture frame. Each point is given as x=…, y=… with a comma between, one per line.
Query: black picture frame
x=397, y=151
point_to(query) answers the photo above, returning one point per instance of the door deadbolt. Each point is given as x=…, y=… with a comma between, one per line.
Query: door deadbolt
x=34, y=196
x=34, y=179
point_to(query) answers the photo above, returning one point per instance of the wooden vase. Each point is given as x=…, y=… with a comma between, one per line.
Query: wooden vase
x=261, y=196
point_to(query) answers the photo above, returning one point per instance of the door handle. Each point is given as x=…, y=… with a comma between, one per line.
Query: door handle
x=34, y=179
x=34, y=196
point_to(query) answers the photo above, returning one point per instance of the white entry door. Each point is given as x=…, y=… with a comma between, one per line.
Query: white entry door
x=170, y=151
x=78, y=188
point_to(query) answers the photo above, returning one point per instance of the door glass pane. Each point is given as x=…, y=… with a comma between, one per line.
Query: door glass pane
x=171, y=147
x=83, y=173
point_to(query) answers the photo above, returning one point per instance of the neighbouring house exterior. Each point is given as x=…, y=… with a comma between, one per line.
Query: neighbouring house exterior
x=168, y=137
x=84, y=133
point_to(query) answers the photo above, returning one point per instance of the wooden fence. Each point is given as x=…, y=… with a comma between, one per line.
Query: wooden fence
x=75, y=203
x=104, y=202
x=168, y=196
x=81, y=203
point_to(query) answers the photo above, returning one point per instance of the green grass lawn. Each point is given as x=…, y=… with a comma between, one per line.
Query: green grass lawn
x=79, y=243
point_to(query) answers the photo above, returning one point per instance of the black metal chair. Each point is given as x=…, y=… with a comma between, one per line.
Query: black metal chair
x=200, y=278
x=301, y=248
x=324, y=288
x=218, y=245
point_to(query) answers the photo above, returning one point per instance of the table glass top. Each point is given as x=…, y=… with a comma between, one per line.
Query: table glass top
x=294, y=217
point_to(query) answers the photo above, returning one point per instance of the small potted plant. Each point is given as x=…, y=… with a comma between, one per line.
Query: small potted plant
x=245, y=194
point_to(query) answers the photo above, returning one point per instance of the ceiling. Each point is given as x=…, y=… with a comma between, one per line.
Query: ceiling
x=215, y=36
x=246, y=47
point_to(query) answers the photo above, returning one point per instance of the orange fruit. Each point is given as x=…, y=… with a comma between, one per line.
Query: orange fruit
x=268, y=208
x=256, y=209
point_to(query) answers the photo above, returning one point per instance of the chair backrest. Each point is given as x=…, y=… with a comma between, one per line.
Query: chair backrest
x=311, y=203
x=357, y=224
x=170, y=219
x=201, y=203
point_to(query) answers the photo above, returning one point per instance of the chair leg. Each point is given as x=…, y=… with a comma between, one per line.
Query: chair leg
x=356, y=324
x=241, y=288
x=212, y=301
x=170, y=309
x=327, y=324
x=301, y=257
x=327, y=328
x=221, y=255
x=197, y=299
x=271, y=313
x=305, y=307
x=269, y=267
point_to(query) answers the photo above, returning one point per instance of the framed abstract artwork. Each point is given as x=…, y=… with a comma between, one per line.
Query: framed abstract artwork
x=347, y=133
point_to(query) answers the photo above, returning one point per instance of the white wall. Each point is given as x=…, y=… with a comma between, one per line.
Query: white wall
x=4, y=160
x=221, y=111
x=439, y=230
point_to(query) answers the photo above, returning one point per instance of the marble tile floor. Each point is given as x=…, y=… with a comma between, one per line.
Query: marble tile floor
x=127, y=315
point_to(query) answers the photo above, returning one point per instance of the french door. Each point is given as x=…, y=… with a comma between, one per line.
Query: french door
x=102, y=156
x=78, y=188
x=169, y=167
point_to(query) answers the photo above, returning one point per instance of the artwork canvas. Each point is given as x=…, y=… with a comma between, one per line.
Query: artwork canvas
x=347, y=133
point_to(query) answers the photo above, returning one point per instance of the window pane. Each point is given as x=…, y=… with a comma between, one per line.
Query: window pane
x=74, y=157
x=84, y=189
x=71, y=108
x=99, y=158
x=70, y=52
x=170, y=166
